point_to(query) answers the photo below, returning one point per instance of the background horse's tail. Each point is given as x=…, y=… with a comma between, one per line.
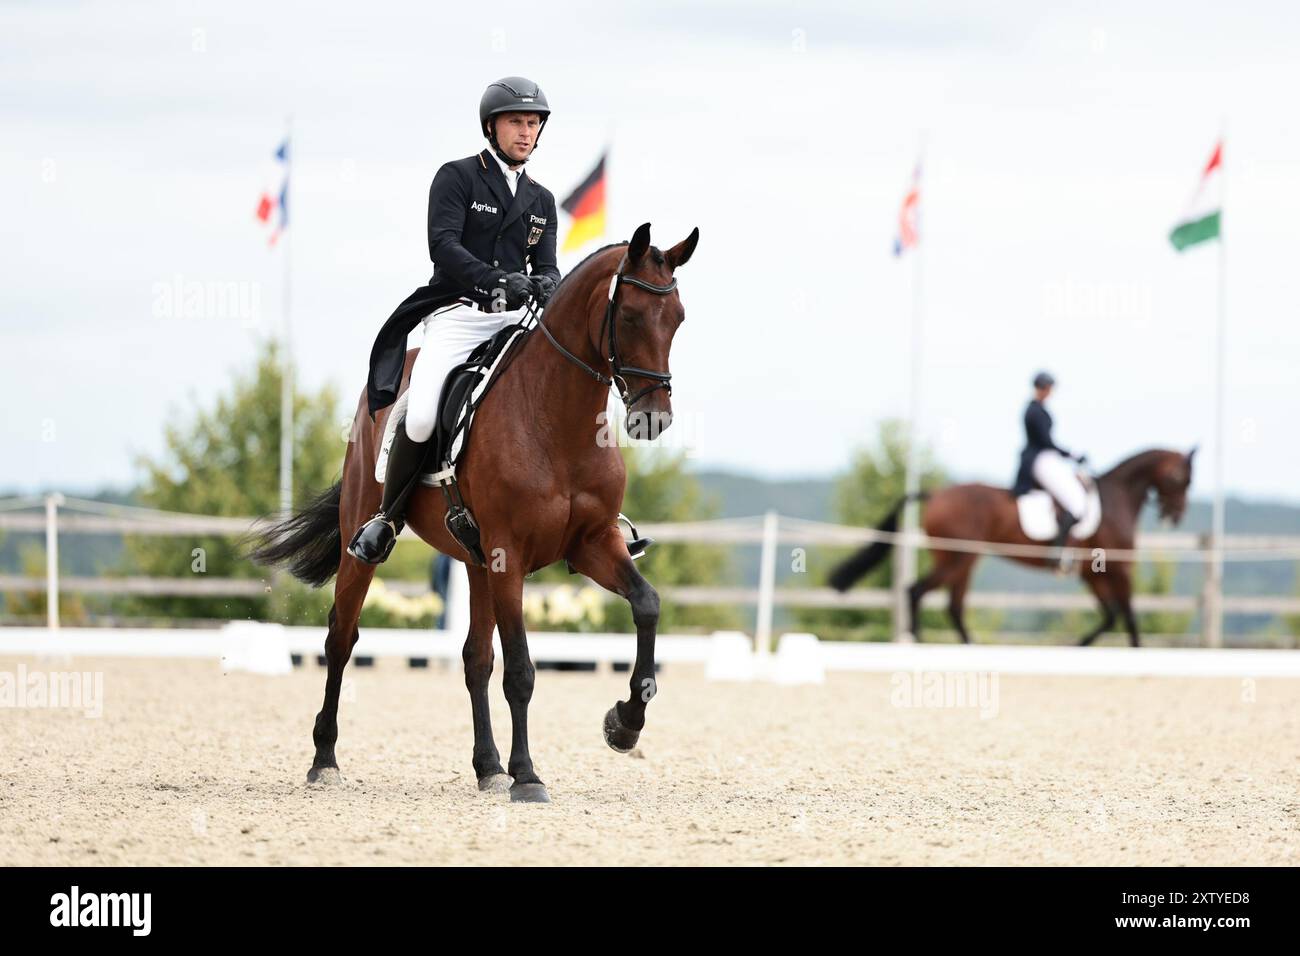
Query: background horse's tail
x=308, y=542
x=858, y=564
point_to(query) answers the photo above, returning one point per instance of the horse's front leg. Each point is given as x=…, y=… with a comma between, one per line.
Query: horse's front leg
x=606, y=561
x=517, y=680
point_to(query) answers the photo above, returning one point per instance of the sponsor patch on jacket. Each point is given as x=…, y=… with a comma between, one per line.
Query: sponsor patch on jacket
x=482, y=207
x=540, y=220
x=534, y=235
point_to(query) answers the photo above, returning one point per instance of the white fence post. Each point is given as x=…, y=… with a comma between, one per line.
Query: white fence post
x=1212, y=593
x=52, y=503
x=904, y=572
x=766, y=585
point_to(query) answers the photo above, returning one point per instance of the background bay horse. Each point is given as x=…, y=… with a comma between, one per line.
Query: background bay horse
x=541, y=486
x=978, y=512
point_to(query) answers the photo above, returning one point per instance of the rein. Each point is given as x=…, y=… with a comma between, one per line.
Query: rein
x=619, y=371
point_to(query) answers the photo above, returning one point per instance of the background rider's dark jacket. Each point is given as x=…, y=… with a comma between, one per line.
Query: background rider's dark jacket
x=1038, y=437
x=478, y=232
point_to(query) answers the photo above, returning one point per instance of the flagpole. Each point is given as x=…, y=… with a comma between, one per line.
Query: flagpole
x=1214, y=607
x=286, y=347
x=905, y=571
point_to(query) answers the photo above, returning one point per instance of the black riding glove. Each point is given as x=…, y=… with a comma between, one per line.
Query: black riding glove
x=511, y=292
x=543, y=286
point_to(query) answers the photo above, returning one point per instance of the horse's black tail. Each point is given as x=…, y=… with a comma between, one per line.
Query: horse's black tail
x=308, y=542
x=859, y=563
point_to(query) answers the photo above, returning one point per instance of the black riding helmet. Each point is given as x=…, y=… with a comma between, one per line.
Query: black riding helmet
x=511, y=94
x=1044, y=380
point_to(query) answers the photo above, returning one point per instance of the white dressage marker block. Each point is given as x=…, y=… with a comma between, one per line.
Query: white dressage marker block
x=457, y=602
x=255, y=647
x=731, y=657
x=799, y=660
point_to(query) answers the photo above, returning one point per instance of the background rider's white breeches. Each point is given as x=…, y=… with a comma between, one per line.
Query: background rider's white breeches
x=449, y=336
x=1056, y=474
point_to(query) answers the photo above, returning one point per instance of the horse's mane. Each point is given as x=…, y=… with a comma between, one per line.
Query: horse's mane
x=513, y=352
x=578, y=268
x=1130, y=463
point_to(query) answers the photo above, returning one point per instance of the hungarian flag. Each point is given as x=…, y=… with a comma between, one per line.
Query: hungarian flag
x=586, y=205
x=1201, y=221
x=273, y=207
x=907, y=236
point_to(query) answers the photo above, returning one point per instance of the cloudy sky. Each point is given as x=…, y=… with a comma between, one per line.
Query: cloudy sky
x=1059, y=149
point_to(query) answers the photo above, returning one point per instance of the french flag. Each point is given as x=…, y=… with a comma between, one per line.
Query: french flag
x=273, y=207
x=907, y=236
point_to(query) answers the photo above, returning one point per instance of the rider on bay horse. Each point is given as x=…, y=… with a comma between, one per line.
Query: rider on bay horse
x=1049, y=466
x=492, y=232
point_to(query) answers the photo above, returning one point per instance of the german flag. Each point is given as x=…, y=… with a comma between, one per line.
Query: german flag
x=586, y=205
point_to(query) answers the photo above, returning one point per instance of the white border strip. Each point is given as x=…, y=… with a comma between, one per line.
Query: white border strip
x=680, y=648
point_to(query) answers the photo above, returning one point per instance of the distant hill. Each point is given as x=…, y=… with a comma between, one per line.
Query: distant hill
x=739, y=496
x=79, y=554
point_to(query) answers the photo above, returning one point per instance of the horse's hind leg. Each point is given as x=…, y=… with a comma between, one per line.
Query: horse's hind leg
x=359, y=498
x=477, y=656
x=919, y=589
x=349, y=595
x=949, y=570
x=957, y=599
x=508, y=605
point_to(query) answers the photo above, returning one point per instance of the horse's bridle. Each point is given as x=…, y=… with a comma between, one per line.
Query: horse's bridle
x=618, y=370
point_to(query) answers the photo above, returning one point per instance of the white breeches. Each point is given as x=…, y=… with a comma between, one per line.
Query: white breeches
x=1056, y=474
x=449, y=336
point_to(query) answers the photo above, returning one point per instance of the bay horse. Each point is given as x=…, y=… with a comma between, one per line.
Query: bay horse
x=979, y=512
x=542, y=485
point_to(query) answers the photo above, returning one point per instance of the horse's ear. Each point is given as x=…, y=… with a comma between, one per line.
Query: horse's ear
x=680, y=254
x=1191, y=453
x=639, y=244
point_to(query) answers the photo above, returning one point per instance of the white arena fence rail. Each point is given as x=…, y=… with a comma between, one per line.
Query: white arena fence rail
x=769, y=531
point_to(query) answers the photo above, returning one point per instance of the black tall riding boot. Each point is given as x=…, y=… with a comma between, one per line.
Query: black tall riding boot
x=374, y=540
x=1067, y=522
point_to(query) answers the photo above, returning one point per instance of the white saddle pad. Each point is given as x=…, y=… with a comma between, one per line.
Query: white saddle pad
x=1038, y=516
x=395, y=415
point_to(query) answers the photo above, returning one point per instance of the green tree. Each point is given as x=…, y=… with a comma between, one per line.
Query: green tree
x=864, y=495
x=225, y=460
x=30, y=606
x=1293, y=620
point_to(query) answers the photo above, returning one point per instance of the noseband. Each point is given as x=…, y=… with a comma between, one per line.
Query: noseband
x=619, y=371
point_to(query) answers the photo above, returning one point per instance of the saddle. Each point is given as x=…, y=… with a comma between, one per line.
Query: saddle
x=1040, y=515
x=462, y=392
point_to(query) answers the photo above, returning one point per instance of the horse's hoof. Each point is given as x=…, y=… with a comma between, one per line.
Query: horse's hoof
x=496, y=783
x=618, y=737
x=324, y=776
x=529, y=793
